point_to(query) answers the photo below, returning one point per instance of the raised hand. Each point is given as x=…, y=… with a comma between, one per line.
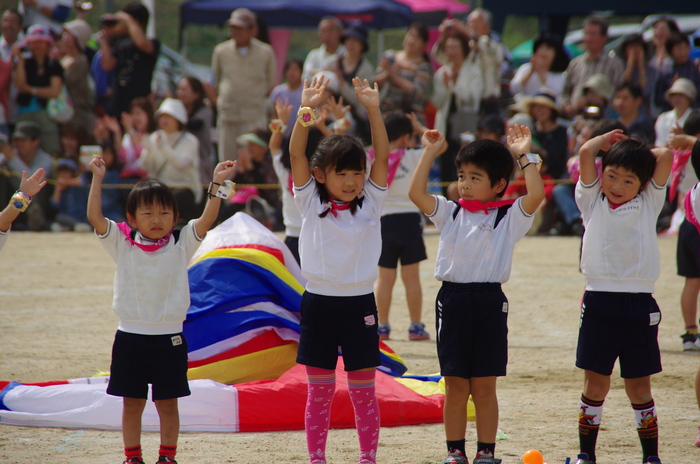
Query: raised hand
x=519, y=139
x=336, y=108
x=368, y=96
x=32, y=185
x=611, y=138
x=313, y=93
x=98, y=167
x=433, y=142
x=224, y=170
x=283, y=110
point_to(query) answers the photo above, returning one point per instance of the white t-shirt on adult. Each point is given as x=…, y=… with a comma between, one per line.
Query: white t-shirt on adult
x=470, y=248
x=151, y=289
x=620, y=252
x=339, y=255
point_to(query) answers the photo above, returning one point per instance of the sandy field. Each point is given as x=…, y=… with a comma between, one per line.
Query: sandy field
x=56, y=323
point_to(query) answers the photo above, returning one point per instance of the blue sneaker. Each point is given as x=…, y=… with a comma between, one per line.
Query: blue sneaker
x=653, y=459
x=417, y=331
x=384, y=331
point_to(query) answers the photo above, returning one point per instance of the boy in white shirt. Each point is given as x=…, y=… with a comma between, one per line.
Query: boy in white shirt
x=620, y=259
x=477, y=238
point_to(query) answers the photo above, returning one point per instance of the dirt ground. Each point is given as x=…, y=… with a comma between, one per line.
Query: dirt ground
x=56, y=322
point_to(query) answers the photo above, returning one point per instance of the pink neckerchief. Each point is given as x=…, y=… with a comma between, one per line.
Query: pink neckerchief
x=475, y=205
x=689, y=211
x=290, y=183
x=126, y=230
x=680, y=159
x=335, y=207
x=395, y=158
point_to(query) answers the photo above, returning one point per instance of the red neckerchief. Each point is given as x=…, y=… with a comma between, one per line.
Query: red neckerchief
x=335, y=207
x=690, y=212
x=616, y=205
x=126, y=230
x=475, y=205
x=680, y=159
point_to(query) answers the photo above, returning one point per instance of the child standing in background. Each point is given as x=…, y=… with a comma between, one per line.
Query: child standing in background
x=477, y=238
x=620, y=259
x=151, y=297
x=339, y=244
x=402, y=230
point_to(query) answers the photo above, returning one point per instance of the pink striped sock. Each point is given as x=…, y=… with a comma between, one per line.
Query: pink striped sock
x=318, y=411
x=364, y=400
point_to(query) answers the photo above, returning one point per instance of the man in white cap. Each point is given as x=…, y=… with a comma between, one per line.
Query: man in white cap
x=244, y=71
x=594, y=61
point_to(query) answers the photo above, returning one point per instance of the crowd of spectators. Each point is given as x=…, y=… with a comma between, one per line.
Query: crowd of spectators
x=464, y=85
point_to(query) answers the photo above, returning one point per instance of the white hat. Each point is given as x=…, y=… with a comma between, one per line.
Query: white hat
x=684, y=87
x=174, y=108
x=600, y=84
x=333, y=84
x=80, y=30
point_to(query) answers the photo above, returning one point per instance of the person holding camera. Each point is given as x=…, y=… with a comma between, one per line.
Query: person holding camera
x=131, y=55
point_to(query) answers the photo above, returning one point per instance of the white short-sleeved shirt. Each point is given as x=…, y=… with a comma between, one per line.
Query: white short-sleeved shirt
x=290, y=212
x=3, y=237
x=151, y=288
x=620, y=252
x=397, y=201
x=471, y=249
x=339, y=255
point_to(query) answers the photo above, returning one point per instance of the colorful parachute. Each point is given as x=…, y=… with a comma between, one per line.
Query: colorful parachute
x=242, y=328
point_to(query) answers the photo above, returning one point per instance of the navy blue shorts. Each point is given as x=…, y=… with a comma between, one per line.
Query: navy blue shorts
x=402, y=239
x=619, y=325
x=138, y=360
x=472, y=329
x=330, y=322
x=688, y=250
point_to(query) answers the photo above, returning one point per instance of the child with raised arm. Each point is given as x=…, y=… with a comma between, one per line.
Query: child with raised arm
x=339, y=245
x=477, y=238
x=151, y=297
x=620, y=259
x=19, y=202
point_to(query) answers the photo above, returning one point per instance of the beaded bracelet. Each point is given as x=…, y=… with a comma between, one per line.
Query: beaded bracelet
x=307, y=116
x=276, y=125
x=20, y=201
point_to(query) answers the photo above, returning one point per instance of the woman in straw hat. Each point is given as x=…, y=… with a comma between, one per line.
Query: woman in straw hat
x=681, y=96
x=552, y=136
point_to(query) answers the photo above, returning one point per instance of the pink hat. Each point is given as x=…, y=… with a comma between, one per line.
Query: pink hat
x=39, y=33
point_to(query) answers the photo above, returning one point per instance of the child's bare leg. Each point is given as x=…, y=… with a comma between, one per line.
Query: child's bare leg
x=410, y=275
x=595, y=386
x=638, y=390
x=697, y=386
x=169, y=421
x=689, y=300
x=457, y=391
x=131, y=420
x=483, y=393
x=385, y=284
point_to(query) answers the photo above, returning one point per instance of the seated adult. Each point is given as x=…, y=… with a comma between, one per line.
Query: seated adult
x=404, y=76
x=545, y=69
x=628, y=102
x=25, y=154
x=637, y=70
